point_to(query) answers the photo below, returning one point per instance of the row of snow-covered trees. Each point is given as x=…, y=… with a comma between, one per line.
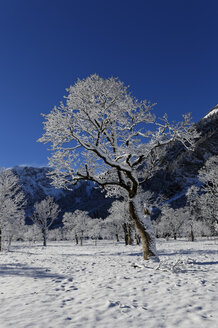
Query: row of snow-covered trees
x=197, y=218
x=78, y=224
x=117, y=225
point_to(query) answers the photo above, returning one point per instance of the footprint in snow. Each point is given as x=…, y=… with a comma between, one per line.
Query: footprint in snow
x=113, y=304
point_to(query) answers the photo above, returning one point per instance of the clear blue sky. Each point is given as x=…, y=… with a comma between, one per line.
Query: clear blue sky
x=167, y=51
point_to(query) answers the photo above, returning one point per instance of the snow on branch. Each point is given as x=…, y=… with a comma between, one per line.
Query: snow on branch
x=101, y=126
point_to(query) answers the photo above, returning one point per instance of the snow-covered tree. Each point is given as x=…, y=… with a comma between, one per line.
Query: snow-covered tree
x=95, y=227
x=69, y=225
x=56, y=234
x=14, y=229
x=11, y=205
x=32, y=233
x=78, y=223
x=118, y=223
x=195, y=228
x=181, y=222
x=208, y=200
x=195, y=224
x=44, y=215
x=171, y=222
x=202, y=201
x=114, y=227
x=101, y=133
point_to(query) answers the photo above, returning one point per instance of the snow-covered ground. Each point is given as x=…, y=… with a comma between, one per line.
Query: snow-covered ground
x=109, y=286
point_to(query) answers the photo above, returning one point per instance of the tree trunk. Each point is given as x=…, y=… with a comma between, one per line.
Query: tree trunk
x=81, y=239
x=117, y=237
x=44, y=238
x=9, y=242
x=144, y=225
x=192, y=238
x=0, y=239
x=125, y=233
x=76, y=239
x=137, y=239
x=130, y=240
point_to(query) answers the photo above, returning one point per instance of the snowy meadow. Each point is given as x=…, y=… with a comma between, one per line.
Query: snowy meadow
x=109, y=285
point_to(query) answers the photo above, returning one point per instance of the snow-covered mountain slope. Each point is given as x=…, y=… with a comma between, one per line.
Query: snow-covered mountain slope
x=213, y=111
x=37, y=185
x=180, y=167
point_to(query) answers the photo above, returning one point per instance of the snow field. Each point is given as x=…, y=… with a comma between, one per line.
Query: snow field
x=109, y=285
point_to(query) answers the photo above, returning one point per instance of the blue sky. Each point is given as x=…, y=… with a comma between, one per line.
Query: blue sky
x=167, y=51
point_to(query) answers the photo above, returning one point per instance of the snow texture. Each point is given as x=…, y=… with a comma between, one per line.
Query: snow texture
x=109, y=285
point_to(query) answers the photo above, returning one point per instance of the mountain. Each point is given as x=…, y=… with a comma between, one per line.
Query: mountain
x=178, y=172
x=213, y=111
x=180, y=166
x=84, y=196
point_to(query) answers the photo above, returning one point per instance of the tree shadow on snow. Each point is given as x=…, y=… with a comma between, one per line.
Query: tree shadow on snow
x=188, y=252
x=206, y=263
x=102, y=254
x=22, y=270
x=24, y=252
x=135, y=254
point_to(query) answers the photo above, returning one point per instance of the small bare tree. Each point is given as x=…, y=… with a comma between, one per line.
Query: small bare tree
x=102, y=134
x=44, y=215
